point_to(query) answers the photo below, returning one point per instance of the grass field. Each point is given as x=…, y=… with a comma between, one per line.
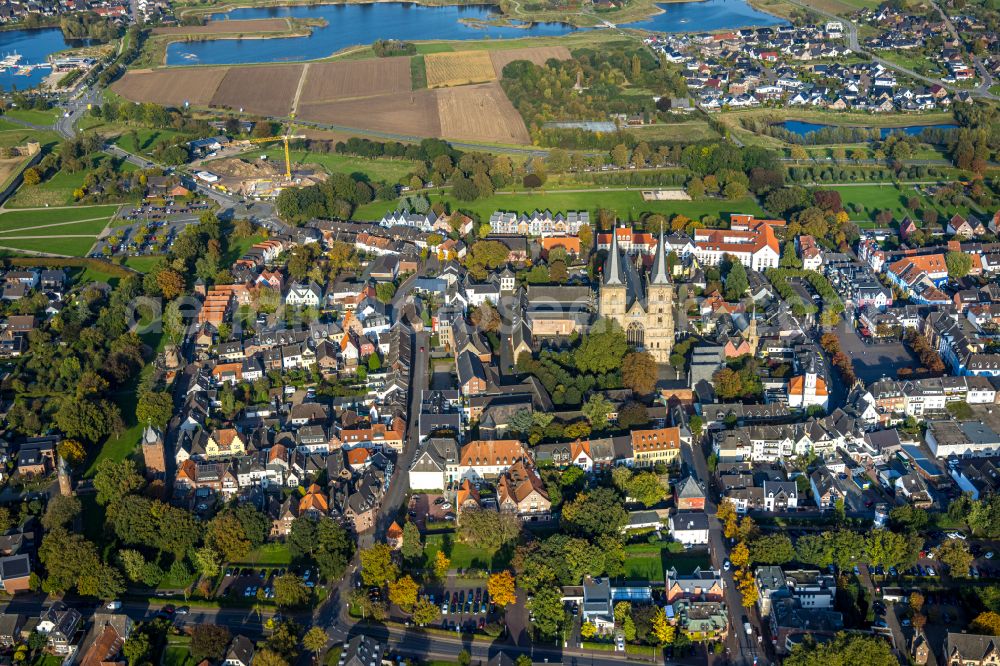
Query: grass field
x=177, y=652
x=376, y=170
x=142, y=264
x=875, y=198
x=627, y=203
x=275, y=554
x=40, y=230
x=651, y=561
x=146, y=139
x=461, y=555
x=34, y=117
x=690, y=130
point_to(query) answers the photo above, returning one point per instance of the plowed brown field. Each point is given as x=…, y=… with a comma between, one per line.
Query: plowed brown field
x=265, y=90
x=333, y=81
x=414, y=113
x=481, y=113
x=536, y=54
x=171, y=87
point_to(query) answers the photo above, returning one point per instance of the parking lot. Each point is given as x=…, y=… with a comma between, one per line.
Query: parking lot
x=429, y=507
x=872, y=361
x=246, y=582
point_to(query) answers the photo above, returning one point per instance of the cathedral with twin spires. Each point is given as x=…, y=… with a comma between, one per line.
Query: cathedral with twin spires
x=643, y=307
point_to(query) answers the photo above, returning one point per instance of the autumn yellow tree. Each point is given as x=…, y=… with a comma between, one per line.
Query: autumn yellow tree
x=403, y=593
x=747, y=529
x=987, y=623
x=740, y=556
x=662, y=631
x=588, y=630
x=72, y=451
x=726, y=513
x=441, y=565
x=501, y=588
x=748, y=589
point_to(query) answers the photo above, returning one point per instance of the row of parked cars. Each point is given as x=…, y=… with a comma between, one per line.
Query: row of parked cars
x=474, y=602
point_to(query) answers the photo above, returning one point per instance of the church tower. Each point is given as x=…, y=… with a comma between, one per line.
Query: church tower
x=614, y=290
x=753, y=338
x=660, y=306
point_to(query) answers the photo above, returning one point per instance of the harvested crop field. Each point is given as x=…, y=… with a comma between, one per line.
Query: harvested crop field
x=458, y=68
x=333, y=81
x=414, y=113
x=243, y=26
x=265, y=90
x=537, y=54
x=481, y=113
x=171, y=86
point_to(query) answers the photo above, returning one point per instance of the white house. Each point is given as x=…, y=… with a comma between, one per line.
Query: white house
x=304, y=295
x=689, y=527
x=808, y=390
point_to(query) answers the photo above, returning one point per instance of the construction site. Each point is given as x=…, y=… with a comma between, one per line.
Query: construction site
x=255, y=175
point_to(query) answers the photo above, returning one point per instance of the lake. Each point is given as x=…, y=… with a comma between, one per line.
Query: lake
x=706, y=16
x=350, y=25
x=802, y=128
x=35, y=46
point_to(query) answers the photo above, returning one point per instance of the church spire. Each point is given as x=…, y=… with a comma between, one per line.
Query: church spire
x=660, y=274
x=613, y=273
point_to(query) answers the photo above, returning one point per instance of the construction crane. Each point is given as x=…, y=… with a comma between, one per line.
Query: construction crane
x=283, y=138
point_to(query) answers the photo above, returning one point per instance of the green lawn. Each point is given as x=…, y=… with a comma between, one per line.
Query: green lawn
x=142, y=264
x=650, y=561
x=874, y=198
x=146, y=138
x=273, y=554
x=376, y=169
x=461, y=555
x=177, y=655
x=34, y=117
x=627, y=203
x=87, y=221
x=238, y=247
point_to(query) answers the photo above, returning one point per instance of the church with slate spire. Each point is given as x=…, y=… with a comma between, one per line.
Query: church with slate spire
x=643, y=306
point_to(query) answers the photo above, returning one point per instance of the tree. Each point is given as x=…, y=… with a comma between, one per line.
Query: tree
x=547, y=607
x=384, y=291
x=60, y=511
x=291, y=591
x=268, y=657
x=955, y=553
x=633, y=414
x=886, y=548
x=377, y=567
x=154, y=408
x=209, y=641
x=596, y=409
x=740, y=555
x=736, y=282
x=639, y=372
x=844, y=650
x=413, y=547
x=225, y=535
x=114, y=480
x=594, y=513
x=645, y=488
x=136, y=647
x=92, y=420
x=772, y=549
x=206, y=562
x=315, y=640
x=603, y=349
x=747, y=587
x=488, y=529
x=588, y=630
x=726, y=513
x=424, y=612
x=986, y=623
x=501, y=588
x=441, y=565
x=464, y=658
x=959, y=264
x=663, y=631
x=32, y=176
x=72, y=451
x=403, y=592
x=170, y=283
